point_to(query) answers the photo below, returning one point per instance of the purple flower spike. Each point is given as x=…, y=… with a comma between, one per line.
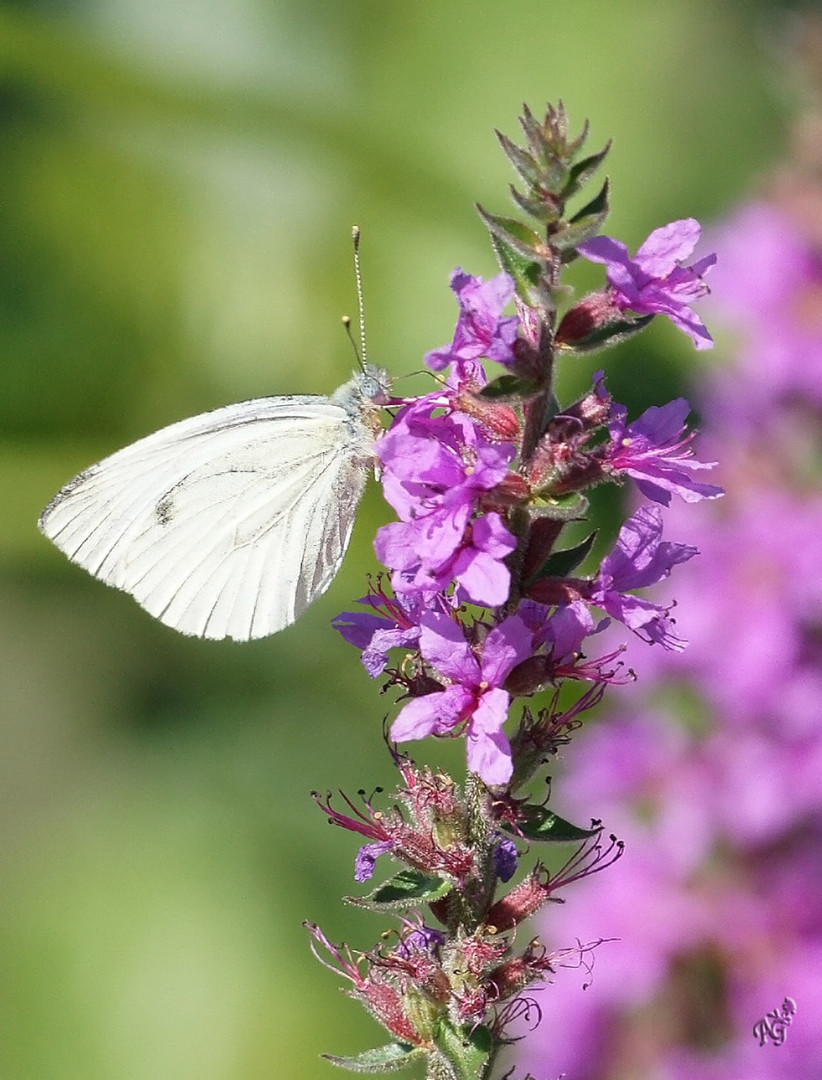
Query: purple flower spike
x=655, y=281
x=474, y=696
x=654, y=451
x=640, y=558
x=481, y=329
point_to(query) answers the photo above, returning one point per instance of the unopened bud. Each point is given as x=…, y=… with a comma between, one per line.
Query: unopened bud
x=522, y=901
x=593, y=409
x=497, y=420
x=584, y=320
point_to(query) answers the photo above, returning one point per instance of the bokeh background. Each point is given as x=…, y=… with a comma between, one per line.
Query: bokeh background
x=177, y=187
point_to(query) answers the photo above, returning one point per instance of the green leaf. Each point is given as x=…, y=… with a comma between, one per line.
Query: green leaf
x=525, y=272
x=561, y=563
x=390, y=1058
x=513, y=242
x=465, y=1049
x=538, y=823
x=407, y=889
x=582, y=226
x=582, y=172
x=512, y=232
x=597, y=206
x=522, y=161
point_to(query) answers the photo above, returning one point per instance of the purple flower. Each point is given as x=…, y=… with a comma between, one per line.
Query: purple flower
x=373, y=826
x=395, y=626
x=562, y=630
x=474, y=697
x=431, y=460
x=481, y=330
x=506, y=858
x=417, y=937
x=655, y=281
x=430, y=553
x=367, y=857
x=640, y=558
x=654, y=451
x=435, y=469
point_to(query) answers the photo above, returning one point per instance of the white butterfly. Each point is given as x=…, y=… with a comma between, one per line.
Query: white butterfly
x=230, y=523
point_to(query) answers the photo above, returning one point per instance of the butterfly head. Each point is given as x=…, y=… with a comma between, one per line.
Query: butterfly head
x=366, y=389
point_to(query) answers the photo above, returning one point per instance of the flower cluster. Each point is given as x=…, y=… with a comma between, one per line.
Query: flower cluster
x=713, y=774
x=482, y=607
x=455, y=471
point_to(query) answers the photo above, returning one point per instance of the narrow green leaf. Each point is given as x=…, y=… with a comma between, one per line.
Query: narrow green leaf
x=597, y=206
x=562, y=563
x=575, y=145
x=513, y=232
x=521, y=160
x=538, y=823
x=581, y=173
x=390, y=1058
x=514, y=257
x=466, y=1050
x=407, y=889
x=525, y=272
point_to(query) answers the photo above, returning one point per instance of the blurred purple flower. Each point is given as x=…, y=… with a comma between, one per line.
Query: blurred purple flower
x=654, y=281
x=774, y=302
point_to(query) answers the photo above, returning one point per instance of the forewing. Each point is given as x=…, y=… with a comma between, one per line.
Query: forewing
x=224, y=525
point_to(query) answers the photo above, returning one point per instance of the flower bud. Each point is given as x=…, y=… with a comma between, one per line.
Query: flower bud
x=582, y=322
x=522, y=901
x=498, y=420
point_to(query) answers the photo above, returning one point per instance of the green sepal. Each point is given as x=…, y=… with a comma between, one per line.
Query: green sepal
x=570, y=507
x=389, y=1058
x=562, y=563
x=538, y=823
x=608, y=334
x=407, y=889
x=582, y=172
x=508, y=387
x=465, y=1049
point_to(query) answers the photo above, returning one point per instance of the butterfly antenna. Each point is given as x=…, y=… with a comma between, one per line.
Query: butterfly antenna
x=355, y=236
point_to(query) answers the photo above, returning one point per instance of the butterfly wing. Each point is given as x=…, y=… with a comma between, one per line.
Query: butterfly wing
x=227, y=524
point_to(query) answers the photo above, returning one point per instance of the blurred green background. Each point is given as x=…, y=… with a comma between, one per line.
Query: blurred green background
x=178, y=182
